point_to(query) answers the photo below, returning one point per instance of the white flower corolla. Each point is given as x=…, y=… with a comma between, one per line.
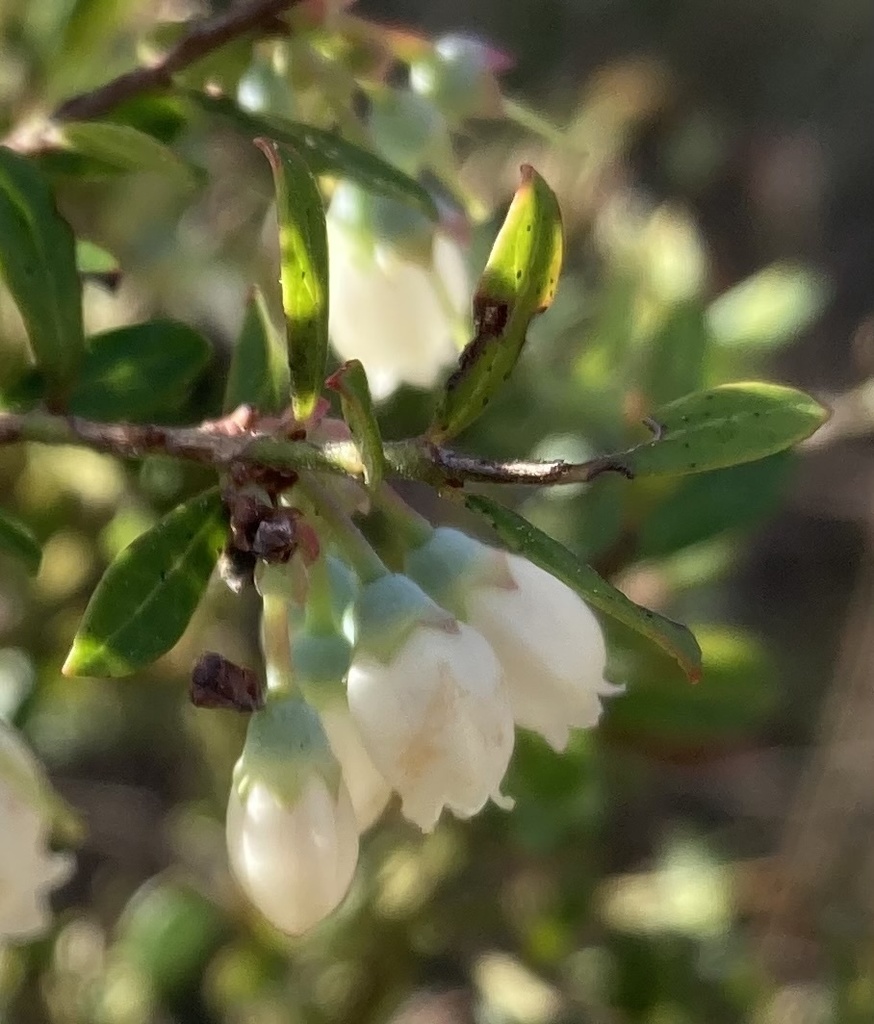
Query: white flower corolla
x=320, y=662
x=367, y=787
x=291, y=829
x=398, y=295
x=427, y=695
x=547, y=639
x=28, y=870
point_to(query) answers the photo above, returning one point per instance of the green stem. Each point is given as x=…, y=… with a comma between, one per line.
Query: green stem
x=276, y=645
x=348, y=538
x=320, y=617
x=413, y=528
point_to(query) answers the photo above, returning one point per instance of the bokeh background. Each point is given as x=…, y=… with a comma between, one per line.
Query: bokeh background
x=707, y=855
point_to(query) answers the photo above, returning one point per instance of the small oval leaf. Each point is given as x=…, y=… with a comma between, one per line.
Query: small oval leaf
x=17, y=539
x=38, y=264
x=148, y=594
x=524, y=539
x=140, y=372
x=726, y=426
x=303, y=248
x=258, y=375
x=350, y=381
x=324, y=152
x=518, y=282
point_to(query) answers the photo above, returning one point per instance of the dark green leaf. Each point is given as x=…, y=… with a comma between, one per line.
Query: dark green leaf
x=703, y=506
x=136, y=373
x=38, y=263
x=520, y=536
x=148, y=594
x=726, y=426
x=518, y=282
x=303, y=249
x=734, y=698
x=324, y=152
x=17, y=539
x=258, y=375
x=122, y=148
x=350, y=381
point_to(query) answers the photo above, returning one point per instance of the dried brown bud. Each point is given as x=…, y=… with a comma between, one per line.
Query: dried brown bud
x=276, y=538
x=219, y=683
x=237, y=568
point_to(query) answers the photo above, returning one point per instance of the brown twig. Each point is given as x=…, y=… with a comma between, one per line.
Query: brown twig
x=224, y=443
x=201, y=39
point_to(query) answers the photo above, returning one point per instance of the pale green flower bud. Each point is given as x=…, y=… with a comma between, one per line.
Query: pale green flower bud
x=291, y=829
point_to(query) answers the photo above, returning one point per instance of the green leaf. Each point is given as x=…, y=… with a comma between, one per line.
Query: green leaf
x=736, y=695
x=303, y=247
x=148, y=594
x=674, y=355
x=523, y=538
x=518, y=282
x=38, y=264
x=92, y=259
x=324, y=152
x=17, y=539
x=769, y=309
x=350, y=381
x=258, y=374
x=121, y=148
x=703, y=506
x=137, y=373
x=726, y=426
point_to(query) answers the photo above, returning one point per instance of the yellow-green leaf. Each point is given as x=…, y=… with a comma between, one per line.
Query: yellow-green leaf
x=518, y=282
x=726, y=426
x=258, y=375
x=303, y=247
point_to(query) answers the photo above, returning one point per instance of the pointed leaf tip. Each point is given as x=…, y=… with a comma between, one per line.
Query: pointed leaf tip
x=525, y=539
x=517, y=284
x=303, y=246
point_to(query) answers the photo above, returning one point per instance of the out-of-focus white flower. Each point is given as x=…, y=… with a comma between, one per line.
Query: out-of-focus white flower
x=547, y=640
x=427, y=695
x=399, y=291
x=28, y=871
x=291, y=829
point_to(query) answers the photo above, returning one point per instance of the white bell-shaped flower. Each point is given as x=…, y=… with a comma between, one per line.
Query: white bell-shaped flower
x=427, y=696
x=399, y=291
x=291, y=829
x=547, y=639
x=28, y=870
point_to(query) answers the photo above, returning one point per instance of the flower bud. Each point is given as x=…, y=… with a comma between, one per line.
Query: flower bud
x=548, y=641
x=28, y=871
x=426, y=694
x=399, y=290
x=291, y=830
x=408, y=129
x=459, y=77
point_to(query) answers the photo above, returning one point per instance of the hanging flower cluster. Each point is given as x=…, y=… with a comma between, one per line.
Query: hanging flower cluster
x=397, y=682
x=28, y=870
